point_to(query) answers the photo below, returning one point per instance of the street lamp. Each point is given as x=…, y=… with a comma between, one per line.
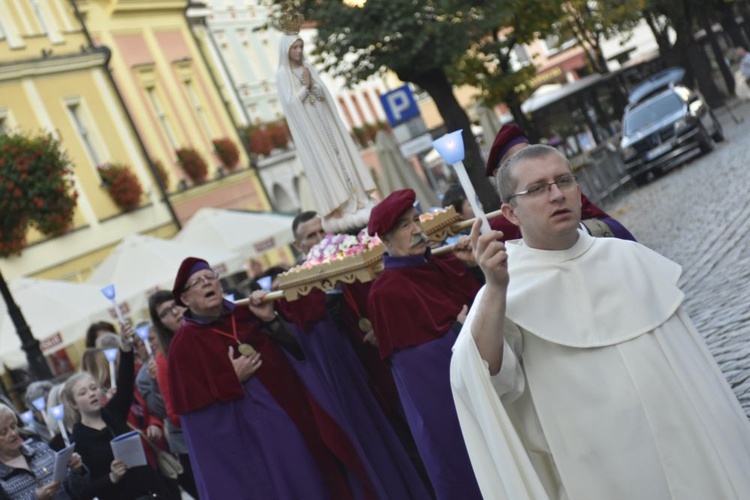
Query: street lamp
x=37, y=362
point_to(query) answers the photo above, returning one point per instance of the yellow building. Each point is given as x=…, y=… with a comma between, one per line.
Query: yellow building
x=172, y=98
x=52, y=80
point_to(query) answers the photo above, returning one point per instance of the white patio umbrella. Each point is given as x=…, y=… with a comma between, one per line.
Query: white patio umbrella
x=141, y=264
x=399, y=173
x=58, y=313
x=246, y=233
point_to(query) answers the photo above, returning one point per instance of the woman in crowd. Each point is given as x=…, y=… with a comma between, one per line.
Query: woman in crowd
x=166, y=317
x=26, y=468
x=96, y=330
x=96, y=426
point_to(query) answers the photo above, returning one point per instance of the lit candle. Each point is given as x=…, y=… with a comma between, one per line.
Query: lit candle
x=111, y=355
x=450, y=147
x=27, y=417
x=109, y=292
x=142, y=332
x=58, y=413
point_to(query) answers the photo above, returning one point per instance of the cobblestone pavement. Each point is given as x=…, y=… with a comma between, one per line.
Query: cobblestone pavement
x=699, y=216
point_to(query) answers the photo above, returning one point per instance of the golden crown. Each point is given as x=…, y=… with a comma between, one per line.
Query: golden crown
x=290, y=20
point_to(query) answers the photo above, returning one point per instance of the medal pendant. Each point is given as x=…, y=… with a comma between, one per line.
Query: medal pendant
x=246, y=350
x=365, y=325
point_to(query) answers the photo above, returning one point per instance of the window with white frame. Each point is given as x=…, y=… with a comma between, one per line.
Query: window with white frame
x=80, y=122
x=46, y=21
x=200, y=113
x=163, y=119
x=39, y=16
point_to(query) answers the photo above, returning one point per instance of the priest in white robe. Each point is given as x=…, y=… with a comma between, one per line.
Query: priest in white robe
x=577, y=374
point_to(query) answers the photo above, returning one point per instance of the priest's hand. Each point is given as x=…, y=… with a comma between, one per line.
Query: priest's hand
x=461, y=318
x=464, y=252
x=262, y=310
x=370, y=338
x=490, y=254
x=245, y=366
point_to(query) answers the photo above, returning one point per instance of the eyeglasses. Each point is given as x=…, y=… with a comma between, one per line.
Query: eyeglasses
x=173, y=309
x=536, y=190
x=205, y=278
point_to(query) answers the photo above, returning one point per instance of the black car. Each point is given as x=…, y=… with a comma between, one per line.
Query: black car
x=665, y=124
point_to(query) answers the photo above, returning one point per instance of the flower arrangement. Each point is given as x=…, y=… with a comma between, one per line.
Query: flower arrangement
x=36, y=182
x=227, y=152
x=122, y=185
x=279, y=133
x=193, y=164
x=161, y=174
x=263, y=138
x=339, y=246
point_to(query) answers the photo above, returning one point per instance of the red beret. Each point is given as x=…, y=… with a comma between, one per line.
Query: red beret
x=189, y=267
x=506, y=138
x=385, y=214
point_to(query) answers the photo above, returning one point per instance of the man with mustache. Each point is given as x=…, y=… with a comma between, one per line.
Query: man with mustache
x=415, y=305
x=577, y=349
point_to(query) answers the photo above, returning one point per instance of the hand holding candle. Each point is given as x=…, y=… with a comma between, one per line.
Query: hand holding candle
x=111, y=355
x=58, y=413
x=450, y=147
x=142, y=332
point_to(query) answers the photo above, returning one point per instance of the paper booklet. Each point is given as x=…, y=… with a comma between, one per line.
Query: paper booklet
x=128, y=448
x=62, y=458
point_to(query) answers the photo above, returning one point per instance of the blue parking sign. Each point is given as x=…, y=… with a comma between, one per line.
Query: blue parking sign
x=399, y=105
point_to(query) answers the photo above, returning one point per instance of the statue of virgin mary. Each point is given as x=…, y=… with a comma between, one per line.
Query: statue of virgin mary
x=340, y=183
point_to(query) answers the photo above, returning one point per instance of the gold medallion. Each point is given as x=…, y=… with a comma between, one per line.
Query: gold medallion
x=365, y=325
x=246, y=350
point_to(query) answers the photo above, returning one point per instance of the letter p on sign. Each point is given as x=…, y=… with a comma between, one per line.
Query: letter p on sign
x=399, y=105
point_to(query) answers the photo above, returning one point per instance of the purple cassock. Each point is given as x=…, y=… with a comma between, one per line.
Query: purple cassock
x=414, y=303
x=422, y=376
x=281, y=467
x=346, y=395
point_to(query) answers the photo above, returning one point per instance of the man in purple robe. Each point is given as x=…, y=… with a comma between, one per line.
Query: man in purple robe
x=253, y=427
x=415, y=304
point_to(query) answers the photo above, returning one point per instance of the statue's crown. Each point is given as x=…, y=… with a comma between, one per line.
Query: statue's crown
x=290, y=20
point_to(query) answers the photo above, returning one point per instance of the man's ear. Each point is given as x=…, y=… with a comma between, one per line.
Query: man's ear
x=182, y=298
x=509, y=213
x=297, y=246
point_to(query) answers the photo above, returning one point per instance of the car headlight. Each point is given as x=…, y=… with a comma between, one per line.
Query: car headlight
x=680, y=125
x=628, y=152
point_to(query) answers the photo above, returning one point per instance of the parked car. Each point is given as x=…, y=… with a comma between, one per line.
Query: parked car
x=665, y=124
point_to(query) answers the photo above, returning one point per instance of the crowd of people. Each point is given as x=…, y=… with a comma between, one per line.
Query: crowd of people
x=547, y=358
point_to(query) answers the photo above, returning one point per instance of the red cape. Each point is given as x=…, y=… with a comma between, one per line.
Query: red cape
x=201, y=374
x=410, y=306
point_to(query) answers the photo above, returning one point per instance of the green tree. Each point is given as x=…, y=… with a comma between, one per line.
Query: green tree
x=416, y=39
x=683, y=17
x=488, y=66
x=591, y=22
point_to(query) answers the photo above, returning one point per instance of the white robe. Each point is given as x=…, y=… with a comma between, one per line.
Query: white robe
x=335, y=170
x=603, y=372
